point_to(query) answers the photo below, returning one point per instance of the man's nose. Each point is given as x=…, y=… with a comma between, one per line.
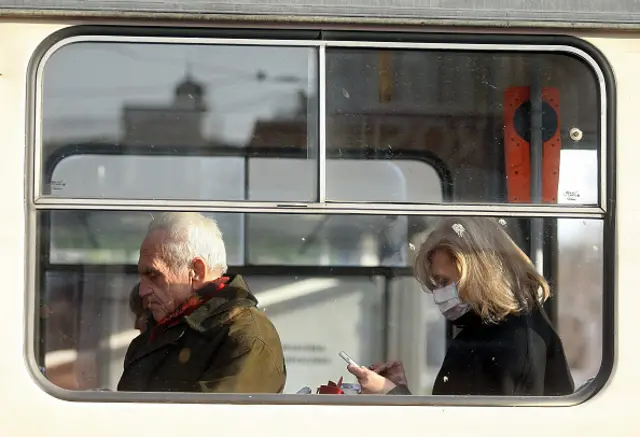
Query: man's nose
x=144, y=291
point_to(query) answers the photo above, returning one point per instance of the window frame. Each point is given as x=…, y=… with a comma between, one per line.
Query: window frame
x=324, y=40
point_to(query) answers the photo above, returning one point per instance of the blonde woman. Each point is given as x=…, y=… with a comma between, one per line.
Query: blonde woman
x=484, y=284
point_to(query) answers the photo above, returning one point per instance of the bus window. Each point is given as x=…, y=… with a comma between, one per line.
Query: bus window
x=214, y=99
x=326, y=165
x=452, y=105
x=376, y=312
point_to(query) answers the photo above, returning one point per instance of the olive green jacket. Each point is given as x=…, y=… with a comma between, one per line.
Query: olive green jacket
x=227, y=345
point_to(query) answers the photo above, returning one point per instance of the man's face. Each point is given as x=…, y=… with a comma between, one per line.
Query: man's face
x=163, y=288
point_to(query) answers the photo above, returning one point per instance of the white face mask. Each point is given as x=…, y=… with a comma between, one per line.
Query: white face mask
x=449, y=303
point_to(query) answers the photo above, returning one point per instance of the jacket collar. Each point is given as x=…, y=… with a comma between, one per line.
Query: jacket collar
x=210, y=307
x=221, y=305
x=470, y=318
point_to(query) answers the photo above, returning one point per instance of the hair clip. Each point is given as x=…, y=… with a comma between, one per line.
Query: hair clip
x=458, y=229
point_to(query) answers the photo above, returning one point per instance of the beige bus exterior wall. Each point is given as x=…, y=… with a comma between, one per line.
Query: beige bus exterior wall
x=28, y=410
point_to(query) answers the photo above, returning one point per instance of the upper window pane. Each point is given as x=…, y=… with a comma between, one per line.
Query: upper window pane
x=174, y=100
x=471, y=112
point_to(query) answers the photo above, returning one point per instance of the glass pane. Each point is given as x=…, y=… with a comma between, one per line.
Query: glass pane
x=105, y=237
x=469, y=113
x=580, y=303
x=383, y=180
x=317, y=308
x=149, y=177
x=277, y=178
x=326, y=240
x=173, y=100
x=263, y=179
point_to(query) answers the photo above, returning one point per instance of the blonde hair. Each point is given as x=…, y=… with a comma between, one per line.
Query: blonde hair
x=496, y=277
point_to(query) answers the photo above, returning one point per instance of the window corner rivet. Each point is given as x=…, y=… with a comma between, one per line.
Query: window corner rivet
x=575, y=134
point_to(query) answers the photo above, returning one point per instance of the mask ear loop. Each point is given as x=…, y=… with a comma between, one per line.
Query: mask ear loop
x=457, y=285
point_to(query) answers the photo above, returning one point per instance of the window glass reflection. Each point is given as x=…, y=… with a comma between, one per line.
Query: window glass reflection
x=172, y=100
x=453, y=105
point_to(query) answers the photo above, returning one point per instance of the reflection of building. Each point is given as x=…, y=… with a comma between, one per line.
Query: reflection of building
x=285, y=130
x=179, y=123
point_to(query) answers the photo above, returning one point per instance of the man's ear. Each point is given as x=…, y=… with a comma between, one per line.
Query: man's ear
x=199, y=272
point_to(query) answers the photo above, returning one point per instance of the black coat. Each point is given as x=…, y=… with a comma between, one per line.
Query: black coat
x=519, y=356
x=227, y=345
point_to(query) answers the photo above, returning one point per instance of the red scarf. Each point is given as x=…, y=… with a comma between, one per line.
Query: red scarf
x=194, y=302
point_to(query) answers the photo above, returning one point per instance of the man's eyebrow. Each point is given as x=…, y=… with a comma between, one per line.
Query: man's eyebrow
x=146, y=270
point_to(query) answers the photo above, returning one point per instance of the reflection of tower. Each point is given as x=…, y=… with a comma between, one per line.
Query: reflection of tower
x=302, y=105
x=189, y=95
x=177, y=124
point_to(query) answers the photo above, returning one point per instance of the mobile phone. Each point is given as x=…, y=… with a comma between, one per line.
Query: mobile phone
x=348, y=359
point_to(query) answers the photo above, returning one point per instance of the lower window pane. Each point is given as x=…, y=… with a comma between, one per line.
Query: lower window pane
x=326, y=284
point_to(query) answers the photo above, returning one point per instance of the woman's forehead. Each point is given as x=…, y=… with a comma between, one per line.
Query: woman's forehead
x=442, y=263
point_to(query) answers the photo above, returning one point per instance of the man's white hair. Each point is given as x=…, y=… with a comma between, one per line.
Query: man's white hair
x=191, y=235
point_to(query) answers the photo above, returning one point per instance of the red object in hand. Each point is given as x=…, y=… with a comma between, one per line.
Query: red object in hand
x=331, y=388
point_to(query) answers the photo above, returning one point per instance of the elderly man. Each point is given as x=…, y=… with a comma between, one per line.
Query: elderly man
x=205, y=333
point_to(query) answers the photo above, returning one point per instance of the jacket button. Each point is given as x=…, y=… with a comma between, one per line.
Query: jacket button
x=185, y=355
